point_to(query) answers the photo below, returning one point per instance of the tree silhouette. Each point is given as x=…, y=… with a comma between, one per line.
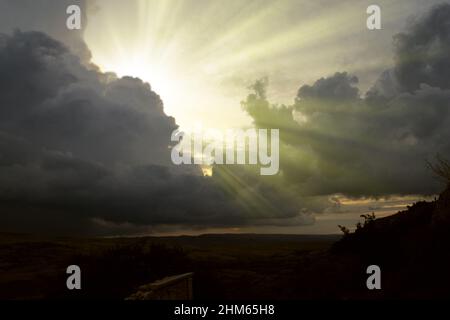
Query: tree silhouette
x=441, y=168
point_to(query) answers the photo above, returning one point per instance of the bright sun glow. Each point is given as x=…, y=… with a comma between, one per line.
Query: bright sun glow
x=160, y=77
x=201, y=58
x=146, y=42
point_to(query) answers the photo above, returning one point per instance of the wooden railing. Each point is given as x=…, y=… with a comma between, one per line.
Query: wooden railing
x=177, y=287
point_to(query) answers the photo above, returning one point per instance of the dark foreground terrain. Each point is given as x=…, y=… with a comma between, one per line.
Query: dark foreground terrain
x=234, y=266
x=412, y=249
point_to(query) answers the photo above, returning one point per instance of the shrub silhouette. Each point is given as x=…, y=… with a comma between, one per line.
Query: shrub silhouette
x=368, y=220
x=344, y=230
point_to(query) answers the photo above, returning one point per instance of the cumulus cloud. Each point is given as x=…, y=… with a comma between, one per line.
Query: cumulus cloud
x=74, y=110
x=335, y=141
x=339, y=87
x=83, y=151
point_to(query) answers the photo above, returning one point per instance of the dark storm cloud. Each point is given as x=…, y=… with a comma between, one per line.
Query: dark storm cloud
x=421, y=56
x=339, y=87
x=422, y=53
x=83, y=151
x=337, y=142
x=50, y=99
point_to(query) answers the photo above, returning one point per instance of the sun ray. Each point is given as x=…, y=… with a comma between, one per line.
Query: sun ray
x=200, y=55
x=301, y=37
x=255, y=205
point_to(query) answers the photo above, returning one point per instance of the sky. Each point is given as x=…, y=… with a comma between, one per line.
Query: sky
x=210, y=52
x=87, y=115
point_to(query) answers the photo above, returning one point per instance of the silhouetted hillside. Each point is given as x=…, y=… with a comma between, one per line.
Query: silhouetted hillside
x=412, y=248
